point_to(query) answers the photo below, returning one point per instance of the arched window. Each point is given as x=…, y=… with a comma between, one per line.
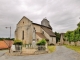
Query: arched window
x=22, y=35
x=42, y=32
x=34, y=28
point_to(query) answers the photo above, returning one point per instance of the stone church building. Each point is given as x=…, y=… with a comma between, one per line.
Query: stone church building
x=27, y=31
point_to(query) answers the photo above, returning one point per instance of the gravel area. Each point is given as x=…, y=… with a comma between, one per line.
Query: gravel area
x=61, y=53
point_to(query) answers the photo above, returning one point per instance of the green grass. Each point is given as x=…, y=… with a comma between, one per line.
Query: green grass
x=76, y=48
x=51, y=48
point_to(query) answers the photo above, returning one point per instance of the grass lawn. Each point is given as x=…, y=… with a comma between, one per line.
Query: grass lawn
x=76, y=48
x=51, y=48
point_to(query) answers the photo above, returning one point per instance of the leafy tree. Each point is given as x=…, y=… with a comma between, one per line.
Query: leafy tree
x=73, y=35
x=57, y=36
x=67, y=35
x=78, y=24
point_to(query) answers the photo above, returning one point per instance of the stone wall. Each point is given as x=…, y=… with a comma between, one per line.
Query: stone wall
x=37, y=28
x=78, y=43
x=72, y=43
x=66, y=42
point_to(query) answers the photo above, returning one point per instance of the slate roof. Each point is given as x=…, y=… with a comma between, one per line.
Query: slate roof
x=41, y=35
x=48, y=31
x=44, y=25
x=41, y=25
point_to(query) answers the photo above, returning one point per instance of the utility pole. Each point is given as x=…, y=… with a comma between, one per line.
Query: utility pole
x=10, y=38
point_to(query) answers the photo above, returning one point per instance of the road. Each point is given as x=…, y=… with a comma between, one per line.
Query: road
x=61, y=53
x=2, y=52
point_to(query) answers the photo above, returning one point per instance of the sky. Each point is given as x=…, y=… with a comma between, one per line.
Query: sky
x=63, y=15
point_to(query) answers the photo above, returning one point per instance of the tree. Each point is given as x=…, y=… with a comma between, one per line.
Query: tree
x=42, y=42
x=73, y=35
x=78, y=24
x=57, y=36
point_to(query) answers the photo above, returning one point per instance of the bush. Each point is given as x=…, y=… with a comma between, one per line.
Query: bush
x=42, y=42
x=18, y=42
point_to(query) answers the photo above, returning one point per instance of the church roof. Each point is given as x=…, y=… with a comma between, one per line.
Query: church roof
x=47, y=23
x=37, y=24
x=41, y=35
x=45, y=19
x=49, y=31
x=42, y=25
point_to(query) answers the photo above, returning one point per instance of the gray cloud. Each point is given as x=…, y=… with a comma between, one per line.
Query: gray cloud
x=62, y=14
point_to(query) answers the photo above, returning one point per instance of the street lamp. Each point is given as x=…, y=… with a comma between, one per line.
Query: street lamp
x=10, y=37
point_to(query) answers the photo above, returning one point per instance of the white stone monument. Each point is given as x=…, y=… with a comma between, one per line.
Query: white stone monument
x=34, y=38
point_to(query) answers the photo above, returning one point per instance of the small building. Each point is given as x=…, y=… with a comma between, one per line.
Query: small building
x=27, y=31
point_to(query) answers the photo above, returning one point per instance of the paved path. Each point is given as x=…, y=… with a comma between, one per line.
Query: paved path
x=2, y=52
x=61, y=53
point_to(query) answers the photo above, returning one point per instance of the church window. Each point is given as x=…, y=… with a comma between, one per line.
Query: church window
x=23, y=22
x=42, y=32
x=22, y=35
x=37, y=39
x=52, y=39
x=34, y=27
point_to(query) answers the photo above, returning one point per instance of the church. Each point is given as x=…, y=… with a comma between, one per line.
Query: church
x=28, y=31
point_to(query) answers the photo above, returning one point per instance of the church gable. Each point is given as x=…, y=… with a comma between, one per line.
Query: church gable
x=24, y=21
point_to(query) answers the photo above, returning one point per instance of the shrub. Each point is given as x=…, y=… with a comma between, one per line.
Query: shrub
x=42, y=42
x=18, y=42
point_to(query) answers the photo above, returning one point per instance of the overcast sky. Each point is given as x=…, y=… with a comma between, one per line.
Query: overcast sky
x=62, y=14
